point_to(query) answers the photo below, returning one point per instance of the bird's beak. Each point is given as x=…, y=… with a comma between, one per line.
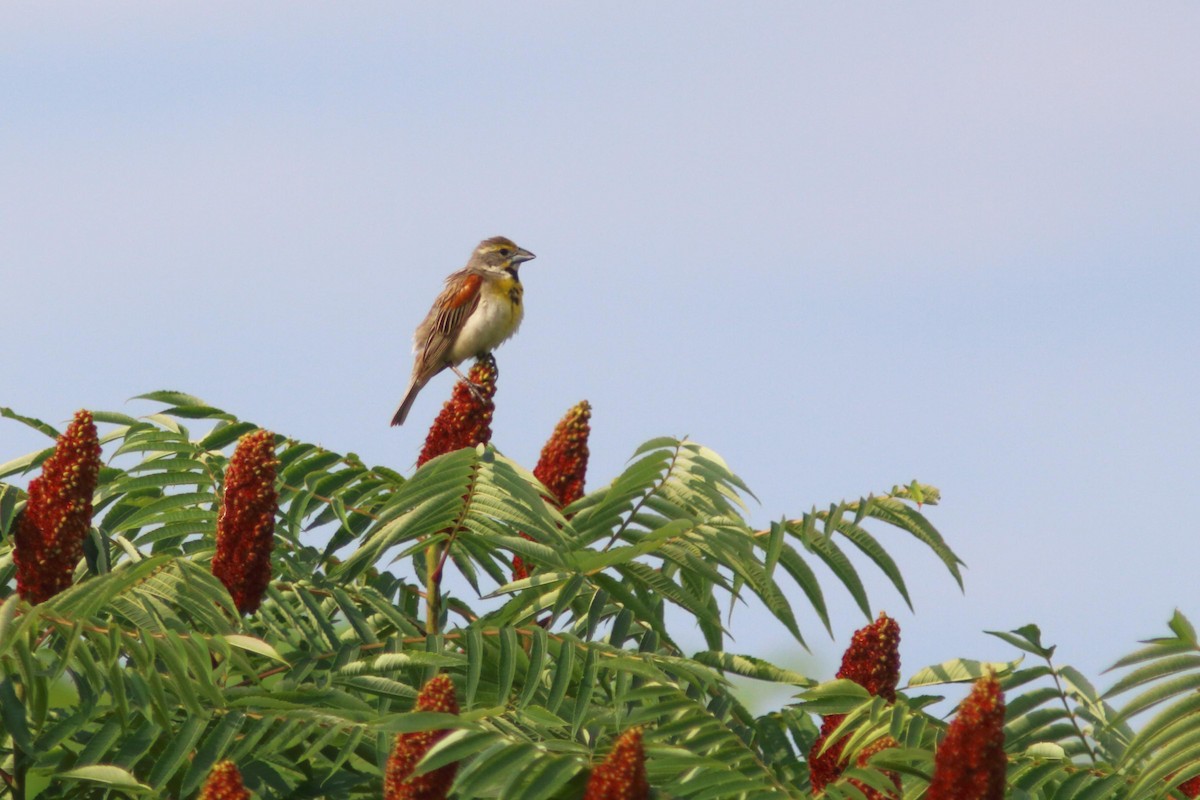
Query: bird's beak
x=522, y=255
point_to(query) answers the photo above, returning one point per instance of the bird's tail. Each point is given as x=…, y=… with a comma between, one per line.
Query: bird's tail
x=401, y=414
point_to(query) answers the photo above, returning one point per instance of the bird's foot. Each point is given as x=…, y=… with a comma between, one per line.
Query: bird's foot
x=471, y=385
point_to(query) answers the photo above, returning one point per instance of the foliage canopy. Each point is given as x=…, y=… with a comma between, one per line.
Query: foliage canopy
x=142, y=675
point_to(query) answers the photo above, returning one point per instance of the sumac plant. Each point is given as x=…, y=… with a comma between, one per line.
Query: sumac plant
x=192, y=606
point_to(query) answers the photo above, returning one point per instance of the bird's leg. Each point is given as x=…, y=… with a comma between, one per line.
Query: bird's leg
x=470, y=384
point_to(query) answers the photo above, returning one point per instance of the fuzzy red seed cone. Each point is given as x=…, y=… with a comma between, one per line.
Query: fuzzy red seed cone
x=970, y=762
x=622, y=776
x=873, y=658
x=438, y=695
x=872, y=661
x=246, y=525
x=562, y=465
x=224, y=783
x=1191, y=788
x=34, y=581
x=520, y=571
x=464, y=420
x=399, y=783
x=48, y=541
x=825, y=767
x=864, y=756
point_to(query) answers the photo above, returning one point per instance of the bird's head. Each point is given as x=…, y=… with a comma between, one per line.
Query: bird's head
x=499, y=254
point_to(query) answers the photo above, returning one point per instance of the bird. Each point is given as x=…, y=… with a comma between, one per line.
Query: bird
x=479, y=307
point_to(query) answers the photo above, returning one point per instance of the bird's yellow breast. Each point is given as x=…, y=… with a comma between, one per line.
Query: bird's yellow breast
x=496, y=318
x=507, y=286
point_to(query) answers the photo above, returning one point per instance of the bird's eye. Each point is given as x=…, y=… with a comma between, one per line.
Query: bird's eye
x=504, y=251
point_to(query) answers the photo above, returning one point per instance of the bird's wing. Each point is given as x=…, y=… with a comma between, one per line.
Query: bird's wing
x=445, y=320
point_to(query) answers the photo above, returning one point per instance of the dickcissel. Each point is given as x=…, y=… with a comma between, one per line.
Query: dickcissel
x=478, y=309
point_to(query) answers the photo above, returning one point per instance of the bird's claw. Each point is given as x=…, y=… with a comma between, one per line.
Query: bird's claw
x=474, y=389
x=471, y=385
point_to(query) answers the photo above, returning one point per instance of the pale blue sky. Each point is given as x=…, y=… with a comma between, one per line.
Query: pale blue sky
x=843, y=246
